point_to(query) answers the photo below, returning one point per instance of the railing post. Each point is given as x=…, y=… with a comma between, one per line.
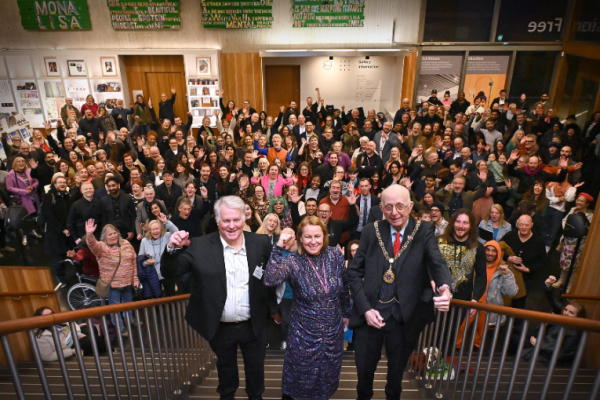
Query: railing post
x=462, y=394
x=38, y=363
x=61, y=362
x=119, y=322
x=160, y=357
x=559, y=340
x=511, y=384
x=176, y=359
x=14, y=373
x=111, y=359
x=461, y=352
x=152, y=354
x=84, y=377
x=511, y=321
x=136, y=370
x=438, y=394
x=143, y=349
x=97, y=358
x=536, y=352
x=481, y=349
x=575, y=365
x=458, y=317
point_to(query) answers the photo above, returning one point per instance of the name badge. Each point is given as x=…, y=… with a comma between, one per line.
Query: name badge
x=258, y=272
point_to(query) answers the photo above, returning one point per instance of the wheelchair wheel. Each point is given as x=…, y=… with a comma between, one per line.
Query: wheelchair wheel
x=83, y=295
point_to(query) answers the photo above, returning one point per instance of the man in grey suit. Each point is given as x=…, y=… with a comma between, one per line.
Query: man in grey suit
x=384, y=141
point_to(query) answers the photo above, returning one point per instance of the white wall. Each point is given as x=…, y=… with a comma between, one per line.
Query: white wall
x=380, y=16
x=346, y=84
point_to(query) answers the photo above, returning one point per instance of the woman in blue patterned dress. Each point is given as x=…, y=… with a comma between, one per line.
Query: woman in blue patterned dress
x=320, y=308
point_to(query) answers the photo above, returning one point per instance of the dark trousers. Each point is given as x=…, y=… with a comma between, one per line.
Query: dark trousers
x=225, y=345
x=368, y=342
x=285, y=308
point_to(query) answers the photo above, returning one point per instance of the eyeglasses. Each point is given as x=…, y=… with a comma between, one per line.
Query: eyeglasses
x=399, y=207
x=323, y=211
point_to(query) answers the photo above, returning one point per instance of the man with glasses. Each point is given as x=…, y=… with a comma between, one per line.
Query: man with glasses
x=337, y=228
x=534, y=171
x=437, y=211
x=390, y=281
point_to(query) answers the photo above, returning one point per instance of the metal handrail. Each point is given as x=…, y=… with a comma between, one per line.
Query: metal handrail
x=165, y=345
x=449, y=370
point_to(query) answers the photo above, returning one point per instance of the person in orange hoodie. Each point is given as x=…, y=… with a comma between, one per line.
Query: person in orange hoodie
x=500, y=281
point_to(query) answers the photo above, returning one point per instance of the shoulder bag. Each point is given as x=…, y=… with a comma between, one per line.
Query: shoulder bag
x=102, y=288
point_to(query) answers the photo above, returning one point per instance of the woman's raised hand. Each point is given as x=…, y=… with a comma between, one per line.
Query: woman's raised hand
x=90, y=226
x=285, y=239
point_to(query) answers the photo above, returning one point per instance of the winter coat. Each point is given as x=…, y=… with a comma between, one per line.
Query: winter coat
x=45, y=343
x=16, y=186
x=55, y=212
x=500, y=285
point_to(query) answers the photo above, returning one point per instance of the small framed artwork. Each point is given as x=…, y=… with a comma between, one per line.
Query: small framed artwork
x=76, y=68
x=109, y=66
x=203, y=66
x=51, y=66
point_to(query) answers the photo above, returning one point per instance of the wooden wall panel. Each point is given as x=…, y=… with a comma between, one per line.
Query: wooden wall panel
x=281, y=87
x=408, y=77
x=143, y=73
x=241, y=79
x=586, y=283
x=23, y=280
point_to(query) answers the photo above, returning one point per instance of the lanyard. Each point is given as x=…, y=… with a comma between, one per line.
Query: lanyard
x=323, y=280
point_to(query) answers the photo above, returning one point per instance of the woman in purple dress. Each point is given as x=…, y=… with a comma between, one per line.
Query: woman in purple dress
x=320, y=310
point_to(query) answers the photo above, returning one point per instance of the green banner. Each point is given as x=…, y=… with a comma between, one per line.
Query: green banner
x=144, y=14
x=54, y=14
x=328, y=14
x=241, y=14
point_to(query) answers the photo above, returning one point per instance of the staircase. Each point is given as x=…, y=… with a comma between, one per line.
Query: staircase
x=346, y=390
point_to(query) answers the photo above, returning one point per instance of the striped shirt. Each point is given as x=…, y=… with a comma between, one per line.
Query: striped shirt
x=237, y=305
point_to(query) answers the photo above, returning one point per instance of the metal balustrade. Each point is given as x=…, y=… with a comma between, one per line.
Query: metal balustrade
x=161, y=355
x=495, y=370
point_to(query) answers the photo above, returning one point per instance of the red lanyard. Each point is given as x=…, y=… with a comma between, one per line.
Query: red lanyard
x=323, y=280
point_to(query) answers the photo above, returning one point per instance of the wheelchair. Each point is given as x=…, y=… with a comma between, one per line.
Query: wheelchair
x=83, y=294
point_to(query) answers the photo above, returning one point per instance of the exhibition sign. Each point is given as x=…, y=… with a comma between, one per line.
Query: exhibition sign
x=323, y=13
x=240, y=14
x=439, y=73
x=54, y=14
x=144, y=14
x=485, y=74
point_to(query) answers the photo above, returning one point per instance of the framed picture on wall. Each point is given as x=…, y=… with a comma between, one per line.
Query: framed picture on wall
x=203, y=66
x=51, y=66
x=76, y=68
x=109, y=66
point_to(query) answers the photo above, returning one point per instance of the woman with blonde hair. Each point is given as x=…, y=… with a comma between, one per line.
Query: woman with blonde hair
x=493, y=226
x=117, y=265
x=158, y=233
x=270, y=226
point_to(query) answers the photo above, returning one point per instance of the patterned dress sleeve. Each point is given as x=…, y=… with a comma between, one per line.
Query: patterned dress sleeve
x=345, y=291
x=278, y=268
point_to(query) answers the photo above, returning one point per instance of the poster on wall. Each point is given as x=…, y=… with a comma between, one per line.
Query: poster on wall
x=485, y=74
x=323, y=13
x=15, y=125
x=54, y=14
x=242, y=14
x=441, y=73
x=531, y=21
x=144, y=14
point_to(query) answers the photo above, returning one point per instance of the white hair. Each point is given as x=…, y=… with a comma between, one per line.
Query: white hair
x=231, y=202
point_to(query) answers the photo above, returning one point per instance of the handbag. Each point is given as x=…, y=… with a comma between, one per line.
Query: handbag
x=102, y=288
x=14, y=200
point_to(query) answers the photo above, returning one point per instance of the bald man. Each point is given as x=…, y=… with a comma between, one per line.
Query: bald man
x=405, y=109
x=530, y=253
x=394, y=301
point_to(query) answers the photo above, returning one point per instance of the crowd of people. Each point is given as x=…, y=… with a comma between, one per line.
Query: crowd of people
x=495, y=181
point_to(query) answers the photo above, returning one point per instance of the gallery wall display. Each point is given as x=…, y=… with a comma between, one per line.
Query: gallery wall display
x=54, y=14
x=203, y=97
x=109, y=66
x=323, y=13
x=142, y=14
x=76, y=68
x=52, y=68
x=439, y=72
x=241, y=14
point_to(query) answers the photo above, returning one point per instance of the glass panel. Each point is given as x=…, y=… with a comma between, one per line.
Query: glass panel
x=588, y=25
x=531, y=21
x=458, y=21
x=532, y=75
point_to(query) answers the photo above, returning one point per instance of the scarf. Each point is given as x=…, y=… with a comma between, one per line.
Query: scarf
x=534, y=173
x=559, y=188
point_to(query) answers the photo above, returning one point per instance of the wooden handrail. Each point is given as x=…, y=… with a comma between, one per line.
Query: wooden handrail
x=578, y=323
x=581, y=297
x=25, y=324
x=21, y=293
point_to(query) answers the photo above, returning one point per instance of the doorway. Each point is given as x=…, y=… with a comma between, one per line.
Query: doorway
x=282, y=85
x=154, y=75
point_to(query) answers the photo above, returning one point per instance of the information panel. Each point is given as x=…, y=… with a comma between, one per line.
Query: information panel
x=240, y=14
x=332, y=13
x=54, y=15
x=144, y=14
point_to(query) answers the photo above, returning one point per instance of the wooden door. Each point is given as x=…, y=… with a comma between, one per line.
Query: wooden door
x=282, y=85
x=162, y=82
x=155, y=75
